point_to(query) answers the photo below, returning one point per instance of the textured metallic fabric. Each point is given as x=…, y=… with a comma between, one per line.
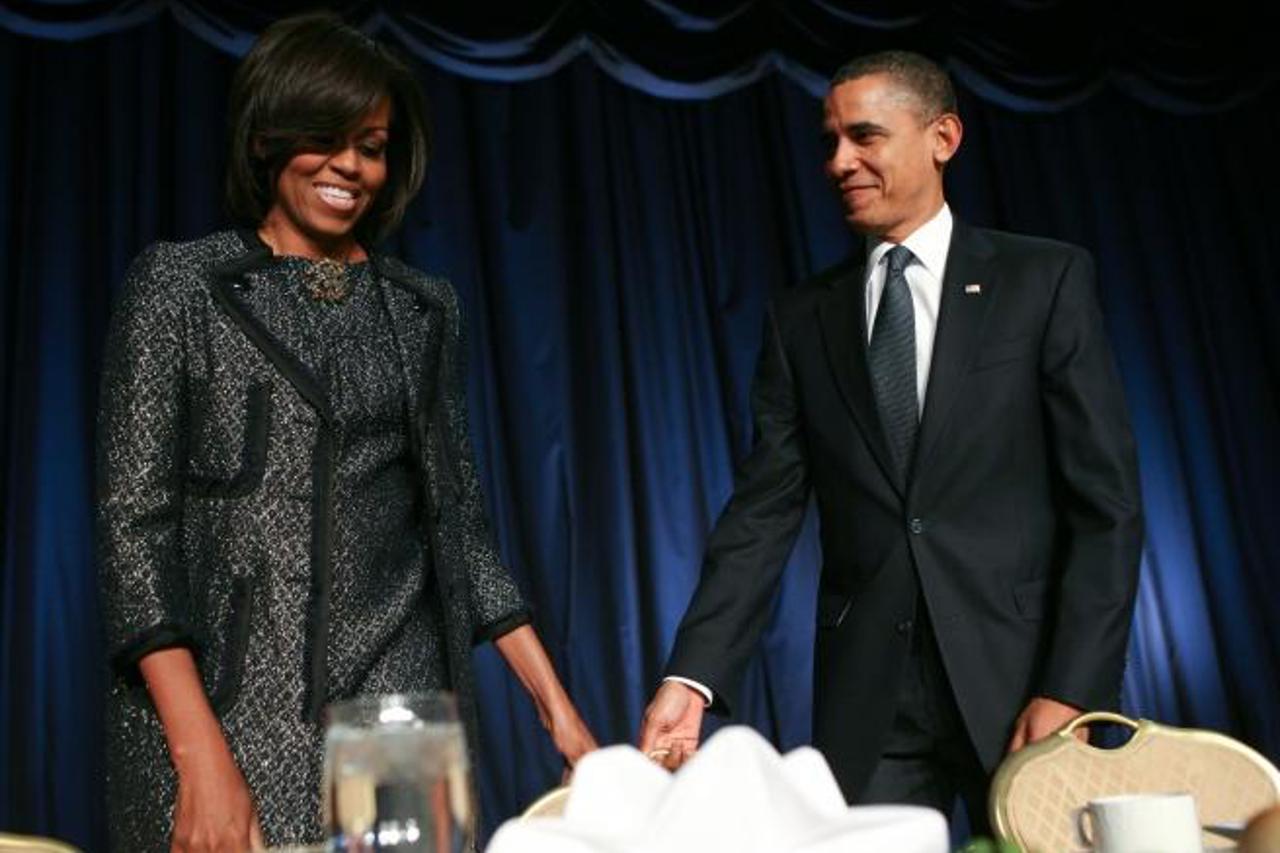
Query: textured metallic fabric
x=286, y=487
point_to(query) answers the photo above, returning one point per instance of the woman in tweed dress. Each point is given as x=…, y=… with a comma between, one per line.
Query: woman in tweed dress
x=288, y=508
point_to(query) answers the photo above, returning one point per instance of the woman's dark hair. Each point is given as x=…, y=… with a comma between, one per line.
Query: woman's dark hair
x=305, y=84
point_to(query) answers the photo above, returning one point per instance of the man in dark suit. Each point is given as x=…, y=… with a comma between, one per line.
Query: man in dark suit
x=949, y=395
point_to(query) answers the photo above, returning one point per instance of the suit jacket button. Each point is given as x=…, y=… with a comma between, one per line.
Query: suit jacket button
x=916, y=525
x=904, y=627
x=419, y=305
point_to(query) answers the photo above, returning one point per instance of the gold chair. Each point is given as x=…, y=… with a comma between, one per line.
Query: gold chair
x=1038, y=790
x=32, y=844
x=550, y=804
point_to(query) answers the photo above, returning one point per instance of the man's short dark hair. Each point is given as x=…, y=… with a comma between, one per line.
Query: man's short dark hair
x=305, y=84
x=922, y=77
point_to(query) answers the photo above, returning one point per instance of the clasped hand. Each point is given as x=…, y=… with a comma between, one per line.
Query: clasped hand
x=672, y=724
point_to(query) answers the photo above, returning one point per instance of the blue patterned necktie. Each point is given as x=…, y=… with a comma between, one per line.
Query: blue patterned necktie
x=892, y=359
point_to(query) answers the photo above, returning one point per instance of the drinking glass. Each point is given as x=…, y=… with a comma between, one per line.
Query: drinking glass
x=396, y=776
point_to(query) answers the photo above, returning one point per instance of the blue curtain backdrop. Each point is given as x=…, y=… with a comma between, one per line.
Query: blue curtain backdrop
x=617, y=190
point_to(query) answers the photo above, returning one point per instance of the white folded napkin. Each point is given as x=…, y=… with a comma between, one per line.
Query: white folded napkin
x=736, y=793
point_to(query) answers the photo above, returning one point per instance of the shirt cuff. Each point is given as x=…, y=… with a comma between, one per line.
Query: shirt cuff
x=703, y=689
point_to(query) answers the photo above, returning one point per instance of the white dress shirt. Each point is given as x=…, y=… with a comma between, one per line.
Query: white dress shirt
x=929, y=245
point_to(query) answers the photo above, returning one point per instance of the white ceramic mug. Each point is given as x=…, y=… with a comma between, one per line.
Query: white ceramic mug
x=1141, y=823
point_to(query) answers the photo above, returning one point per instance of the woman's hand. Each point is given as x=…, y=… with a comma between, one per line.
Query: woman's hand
x=570, y=734
x=214, y=812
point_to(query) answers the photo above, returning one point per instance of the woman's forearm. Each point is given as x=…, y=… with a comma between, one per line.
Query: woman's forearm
x=528, y=659
x=214, y=808
x=524, y=653
x=178, y=694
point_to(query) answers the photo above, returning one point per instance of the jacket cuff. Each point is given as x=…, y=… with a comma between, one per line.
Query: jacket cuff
x=164, y=635
x=505, y=625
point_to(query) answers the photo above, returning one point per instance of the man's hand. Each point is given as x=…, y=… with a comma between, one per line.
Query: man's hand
x=1041, y=718
x=673, y=722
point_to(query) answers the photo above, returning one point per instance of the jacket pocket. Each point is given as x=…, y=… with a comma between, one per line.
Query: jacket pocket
x=216, y=446
x=236, y=645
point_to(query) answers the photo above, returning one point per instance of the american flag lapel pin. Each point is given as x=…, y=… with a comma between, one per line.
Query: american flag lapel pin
x=972, y=289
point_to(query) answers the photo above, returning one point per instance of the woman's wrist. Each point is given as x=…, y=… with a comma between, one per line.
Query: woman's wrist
x=561, y=709
x=198, y=748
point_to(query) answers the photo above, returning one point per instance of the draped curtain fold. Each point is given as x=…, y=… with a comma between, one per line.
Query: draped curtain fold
x=614, y=251
x=1027, y=55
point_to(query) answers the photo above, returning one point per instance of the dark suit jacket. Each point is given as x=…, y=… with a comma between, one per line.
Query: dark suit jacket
x=1020, y=523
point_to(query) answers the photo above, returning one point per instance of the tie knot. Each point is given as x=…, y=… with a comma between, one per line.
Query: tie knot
x=898, y=258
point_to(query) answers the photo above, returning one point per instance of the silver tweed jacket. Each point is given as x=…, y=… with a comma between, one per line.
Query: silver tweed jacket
x=216, y=463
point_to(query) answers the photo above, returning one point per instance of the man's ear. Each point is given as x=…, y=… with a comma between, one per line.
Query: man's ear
x=947, y=133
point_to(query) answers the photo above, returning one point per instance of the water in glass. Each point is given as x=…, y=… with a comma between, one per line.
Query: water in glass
x=396, y=776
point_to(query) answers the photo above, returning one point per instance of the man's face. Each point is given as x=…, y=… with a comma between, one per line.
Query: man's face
x=884, y=156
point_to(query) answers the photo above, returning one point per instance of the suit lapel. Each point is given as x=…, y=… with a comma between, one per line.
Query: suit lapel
x=842, y=317
x=234, y=284
x=961, y=316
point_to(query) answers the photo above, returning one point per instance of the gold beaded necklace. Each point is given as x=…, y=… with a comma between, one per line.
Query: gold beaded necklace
x=328, y=279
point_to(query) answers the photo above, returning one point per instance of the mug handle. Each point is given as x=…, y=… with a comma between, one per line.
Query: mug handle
x=1084, y=826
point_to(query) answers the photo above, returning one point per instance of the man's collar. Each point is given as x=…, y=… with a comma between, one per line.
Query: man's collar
x=929, y=243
